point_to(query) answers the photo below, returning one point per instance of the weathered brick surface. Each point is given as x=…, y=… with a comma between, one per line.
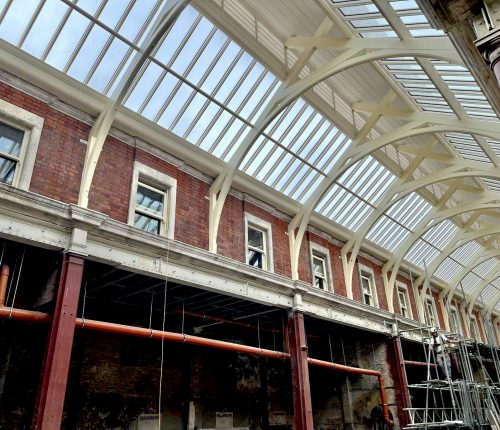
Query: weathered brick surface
x=57, y=173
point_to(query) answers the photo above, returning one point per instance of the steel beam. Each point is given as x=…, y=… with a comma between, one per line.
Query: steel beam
x=300, y=371
x=60, y=342
x=102, y=125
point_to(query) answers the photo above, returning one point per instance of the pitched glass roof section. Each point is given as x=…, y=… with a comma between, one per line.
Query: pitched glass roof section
x=204, y=87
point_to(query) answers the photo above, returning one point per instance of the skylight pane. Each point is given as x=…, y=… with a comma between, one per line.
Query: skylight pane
x=344, y=208
x=466, y=252
x=448, y=269
x=161, y=94
x=483, y=268
x=421, y=252
x=409, y=210
x=369, y=23
x=67, y=40
x=177, y=33
x=358, y=10
x=113, y=11
x=88, y=53
x=192, y=46
x=143, y=86
x=136, y=19
x=388, y=234
x=440, y=235
x=17, y=19
x=109, y=65
x=404, y=5
x=470, y=282
x=43, y=29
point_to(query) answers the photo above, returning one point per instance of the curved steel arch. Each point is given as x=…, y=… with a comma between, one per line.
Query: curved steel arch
x=493, y=273
x=431, y=220
x=285, y=95
x=461, y=240
x=102, y=125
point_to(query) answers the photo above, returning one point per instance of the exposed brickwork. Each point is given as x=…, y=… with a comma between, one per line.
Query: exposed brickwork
x=231, y=236
x=379, y=281
x=110, y=190
x=480, y=327
x=59, y=160
x=439, y=310
x=58, y=170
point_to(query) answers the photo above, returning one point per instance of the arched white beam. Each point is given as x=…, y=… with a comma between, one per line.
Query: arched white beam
x=471, y=265
x=490, y=307
x=431, y=220
x=286, y=94
x=400, y=191
x=492, y=274
x=102, y=125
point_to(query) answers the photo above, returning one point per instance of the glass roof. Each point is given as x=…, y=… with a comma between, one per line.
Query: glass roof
x=203, y=86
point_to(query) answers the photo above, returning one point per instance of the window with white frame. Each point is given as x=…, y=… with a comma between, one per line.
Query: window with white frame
x=20, y=133
x=258, y=243
x=474, y=329
x=152, y=201
x=430, y=312
x=404, y=300
x=455, y=325
x=367, y=280
x=320, y=267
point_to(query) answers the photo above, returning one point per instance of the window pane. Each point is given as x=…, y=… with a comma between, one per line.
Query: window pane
x=319, y=266
x=146, y=223
x=10, y=140
x=150, y=200
x=319, y=283
x=7, y=170
x=255, y=238
x=255, y=259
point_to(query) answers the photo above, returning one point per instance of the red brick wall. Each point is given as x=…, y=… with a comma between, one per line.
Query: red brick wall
x=411, y=296
x=231, y=236
x=59, y=161
x=377, y=276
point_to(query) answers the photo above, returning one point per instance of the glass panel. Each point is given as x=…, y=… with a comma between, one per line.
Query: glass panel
x=255, y=258
x=88, y=53
x=67, y=40
x=109, y=65
x=319, y=283
x=319, y=266
x=17, y=18
x=7, y=170
x=113, y=11
x=150, y=200
x=44, y=27
x=255, y=238
x=136, y=19
x=10, y=140
x=359, y=10
x=152, y=225
x=369, y=23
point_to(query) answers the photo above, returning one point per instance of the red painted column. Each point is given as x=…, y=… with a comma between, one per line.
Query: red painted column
x=402, y=393
x=60, y=342
x=300, y=371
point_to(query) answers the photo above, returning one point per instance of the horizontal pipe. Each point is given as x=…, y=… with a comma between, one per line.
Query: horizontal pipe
x=176, y=337
x=107, y=327
x=418, y=363
x=23, y=315
x=359, y=371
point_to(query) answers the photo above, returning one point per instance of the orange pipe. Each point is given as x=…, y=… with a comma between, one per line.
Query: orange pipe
x=101, y=326
x=418, y=363
x=23, y=315
x=4, y=277
x=359, y=371
x=176, y=337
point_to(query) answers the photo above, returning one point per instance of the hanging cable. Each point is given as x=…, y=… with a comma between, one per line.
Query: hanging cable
x=17, y=283
x=163, y=329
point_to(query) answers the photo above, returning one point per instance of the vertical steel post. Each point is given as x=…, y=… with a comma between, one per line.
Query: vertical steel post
x=300, y=371
x=402, y=393
x=59, y=345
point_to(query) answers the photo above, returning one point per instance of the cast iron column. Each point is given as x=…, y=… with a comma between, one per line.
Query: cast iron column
x=300, y=371
x=402, y=393
x=59, y=345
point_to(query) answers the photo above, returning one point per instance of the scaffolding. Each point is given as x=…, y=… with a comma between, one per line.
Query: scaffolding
x=468, y=398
